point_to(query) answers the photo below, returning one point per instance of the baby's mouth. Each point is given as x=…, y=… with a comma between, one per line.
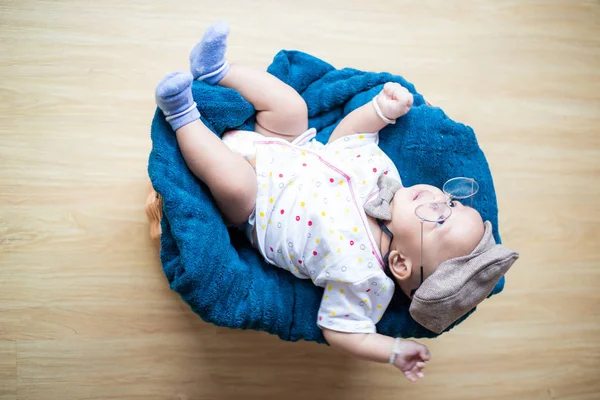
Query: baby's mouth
x=418, y=194
x=423, y=194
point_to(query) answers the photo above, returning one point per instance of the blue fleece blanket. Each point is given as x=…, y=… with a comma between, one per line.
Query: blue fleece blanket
x=217, y=272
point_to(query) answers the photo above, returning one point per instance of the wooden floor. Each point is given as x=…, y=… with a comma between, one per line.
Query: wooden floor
x=85, y=311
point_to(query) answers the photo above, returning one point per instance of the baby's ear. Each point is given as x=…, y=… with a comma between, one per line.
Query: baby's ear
x=400, y=266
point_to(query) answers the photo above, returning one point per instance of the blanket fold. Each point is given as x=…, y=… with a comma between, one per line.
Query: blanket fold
x=216, y=271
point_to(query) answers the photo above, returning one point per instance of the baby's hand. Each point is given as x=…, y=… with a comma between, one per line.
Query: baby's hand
x=394, y=100
x=411, y=359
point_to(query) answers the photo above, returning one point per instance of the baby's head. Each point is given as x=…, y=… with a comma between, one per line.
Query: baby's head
x=454, y=237
x=461, y=262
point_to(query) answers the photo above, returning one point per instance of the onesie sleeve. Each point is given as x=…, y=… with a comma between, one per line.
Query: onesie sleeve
x=355, y=307
x=355, y=141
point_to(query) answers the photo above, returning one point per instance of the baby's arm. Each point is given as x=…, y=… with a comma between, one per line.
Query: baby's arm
x=394, y=101
x=410, y=359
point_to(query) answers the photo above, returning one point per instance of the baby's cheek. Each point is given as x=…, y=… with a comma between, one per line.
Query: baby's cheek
x=403, y=217
x=407, y=230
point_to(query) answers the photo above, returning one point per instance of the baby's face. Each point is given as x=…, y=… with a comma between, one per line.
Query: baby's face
x=457, y=236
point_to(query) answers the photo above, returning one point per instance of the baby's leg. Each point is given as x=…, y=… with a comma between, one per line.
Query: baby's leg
x=281, y=111
x=230, y=178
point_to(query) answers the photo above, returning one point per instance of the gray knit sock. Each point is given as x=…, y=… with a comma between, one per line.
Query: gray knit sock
x=174, y=97
x=207, y=59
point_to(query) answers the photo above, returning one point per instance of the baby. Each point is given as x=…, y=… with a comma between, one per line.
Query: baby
x=336, y=213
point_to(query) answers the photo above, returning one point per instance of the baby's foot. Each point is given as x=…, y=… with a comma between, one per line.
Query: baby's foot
x=394, y=100
x=174, y=97
x=207, y=59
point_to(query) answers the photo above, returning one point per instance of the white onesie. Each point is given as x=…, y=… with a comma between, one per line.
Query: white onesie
x=309, y=219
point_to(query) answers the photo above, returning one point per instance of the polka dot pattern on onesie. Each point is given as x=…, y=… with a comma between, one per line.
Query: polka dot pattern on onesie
x=314, y=198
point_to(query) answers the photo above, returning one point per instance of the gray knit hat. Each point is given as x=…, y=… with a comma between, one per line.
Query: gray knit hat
x=460, y=284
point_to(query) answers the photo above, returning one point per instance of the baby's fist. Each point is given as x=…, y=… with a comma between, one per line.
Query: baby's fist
x=394, y=100
x=411, y=359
